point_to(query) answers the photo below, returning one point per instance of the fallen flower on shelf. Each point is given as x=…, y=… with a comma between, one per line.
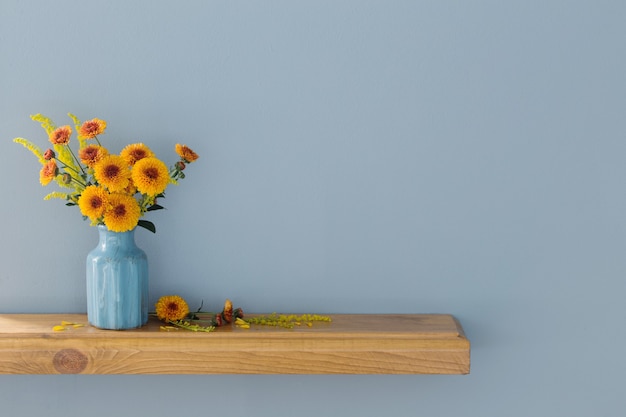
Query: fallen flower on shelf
x=171, y=308
x=218, y=319
x=174, y=310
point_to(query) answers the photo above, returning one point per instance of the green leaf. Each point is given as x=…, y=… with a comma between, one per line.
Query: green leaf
x=147, y=225
x=155, y=207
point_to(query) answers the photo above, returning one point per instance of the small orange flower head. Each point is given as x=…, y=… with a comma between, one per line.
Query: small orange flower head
x=91, y=154
x=92, y=128
x=48, y=172
x=61, y=135
x=185, y=153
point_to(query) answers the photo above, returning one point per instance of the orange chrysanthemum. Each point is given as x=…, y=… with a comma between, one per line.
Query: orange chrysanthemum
x=122, y=213
x=48, y=172
x=171, y=308
x=93, y=201
x=186, y=153
x=134, y=152
x=61, y=135
x=91, y=154
x=150, y=176
x=112, y=172
x=92, y=128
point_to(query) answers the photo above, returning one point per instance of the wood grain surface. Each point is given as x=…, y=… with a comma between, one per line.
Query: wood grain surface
x=350, y=344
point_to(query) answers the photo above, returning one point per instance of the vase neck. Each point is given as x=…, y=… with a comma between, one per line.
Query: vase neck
x=116, y=239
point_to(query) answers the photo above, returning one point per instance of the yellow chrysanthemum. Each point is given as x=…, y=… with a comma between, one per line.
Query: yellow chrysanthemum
x=48, y=172
x=122, y=213
x=131, y=189
x=150, y=176
x=92, y=128
x=90, y=155
x=112, y=172
x=93, y=201
x=171, y=308
x=61, y=136
x=134, y=152
x=185, y=153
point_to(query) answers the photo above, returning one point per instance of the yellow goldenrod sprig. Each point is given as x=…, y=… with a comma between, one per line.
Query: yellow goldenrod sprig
x=287, y=321
x=189, y=326
x=31, y=147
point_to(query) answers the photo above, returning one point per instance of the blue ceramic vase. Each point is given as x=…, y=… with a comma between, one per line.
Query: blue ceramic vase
x=117, y=282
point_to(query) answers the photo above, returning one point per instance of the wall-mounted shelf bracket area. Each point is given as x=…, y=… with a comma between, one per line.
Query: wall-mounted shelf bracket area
x=349, y=344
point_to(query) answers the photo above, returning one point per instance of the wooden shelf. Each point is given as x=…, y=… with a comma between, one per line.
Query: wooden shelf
x=350, y=344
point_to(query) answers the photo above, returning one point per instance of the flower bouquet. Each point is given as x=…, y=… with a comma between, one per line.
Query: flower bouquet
x=112, y=191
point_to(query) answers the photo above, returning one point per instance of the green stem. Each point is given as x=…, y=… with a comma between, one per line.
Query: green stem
x=193, y=327
x=77, y=161
x=79, y=183
x=67, y=166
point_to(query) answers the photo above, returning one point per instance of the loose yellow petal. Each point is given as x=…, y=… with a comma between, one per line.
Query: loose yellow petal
x=58, y=328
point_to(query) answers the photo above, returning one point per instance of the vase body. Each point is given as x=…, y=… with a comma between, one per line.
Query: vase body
x=117, y=282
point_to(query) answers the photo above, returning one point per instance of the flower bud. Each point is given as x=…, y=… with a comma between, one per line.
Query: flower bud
x=48, y=155
x=67, y=178
x=227, y=313
x=180, y=165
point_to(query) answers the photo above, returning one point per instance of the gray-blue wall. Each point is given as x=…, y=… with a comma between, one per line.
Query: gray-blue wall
x=356, y=157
